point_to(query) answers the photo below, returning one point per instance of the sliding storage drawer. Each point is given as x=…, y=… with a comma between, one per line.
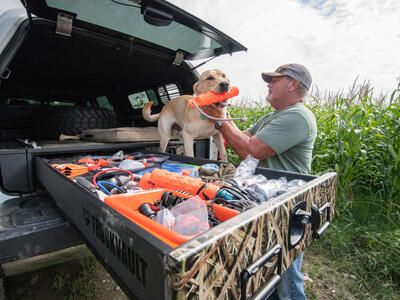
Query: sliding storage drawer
x=243, y=256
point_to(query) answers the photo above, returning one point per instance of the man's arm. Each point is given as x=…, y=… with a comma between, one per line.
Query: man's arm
x=246, y=132
x=243, y=143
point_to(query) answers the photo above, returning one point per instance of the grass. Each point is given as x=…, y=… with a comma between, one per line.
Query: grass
x=359, y=138
x=334, y=278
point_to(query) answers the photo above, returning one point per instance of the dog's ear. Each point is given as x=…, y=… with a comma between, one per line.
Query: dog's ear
x=196, y=88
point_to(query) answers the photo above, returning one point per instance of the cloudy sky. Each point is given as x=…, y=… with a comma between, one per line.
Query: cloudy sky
x=337, y=40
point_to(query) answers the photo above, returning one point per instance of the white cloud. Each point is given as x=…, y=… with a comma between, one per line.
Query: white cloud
x=337, y=40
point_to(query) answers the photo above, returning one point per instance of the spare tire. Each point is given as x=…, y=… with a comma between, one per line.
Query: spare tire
x=50, y=122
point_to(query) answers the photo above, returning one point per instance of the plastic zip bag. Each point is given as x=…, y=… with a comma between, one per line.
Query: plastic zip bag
x=189, y=217
x=166, y=218
x=130, y=164
x=267, y=189
x=245, y=170
x=295, y=183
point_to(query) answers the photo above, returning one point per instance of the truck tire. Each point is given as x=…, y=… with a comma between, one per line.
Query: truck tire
x=50, y=122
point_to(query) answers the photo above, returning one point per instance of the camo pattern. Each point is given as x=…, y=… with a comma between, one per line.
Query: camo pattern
x=209, y=266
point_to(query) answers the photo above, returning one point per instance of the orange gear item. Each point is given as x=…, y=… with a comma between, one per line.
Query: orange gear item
x=86, y=160
x=145, y=182
x=94, y=164
x=71, y=170
x=98, y=164
x=160, y=178
x=212, y=97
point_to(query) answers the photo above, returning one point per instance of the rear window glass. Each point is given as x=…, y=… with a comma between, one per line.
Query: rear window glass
x=21, y=101
x=168, y=92
x=33, y=102
x=125, y=16
x=138, y=100
x=103, y=102
x=165, y=93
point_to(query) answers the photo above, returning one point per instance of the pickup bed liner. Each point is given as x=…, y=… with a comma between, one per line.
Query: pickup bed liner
x=31, y=226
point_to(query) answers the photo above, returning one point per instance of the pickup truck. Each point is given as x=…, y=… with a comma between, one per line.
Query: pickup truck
x=71, y=66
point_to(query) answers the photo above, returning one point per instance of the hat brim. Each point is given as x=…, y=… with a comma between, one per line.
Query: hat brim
x=267, y=77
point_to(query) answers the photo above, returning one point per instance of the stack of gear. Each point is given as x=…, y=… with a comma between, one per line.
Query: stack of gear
x=258, y=187
x=171, y=217
x=181, y=198
x=223, y=194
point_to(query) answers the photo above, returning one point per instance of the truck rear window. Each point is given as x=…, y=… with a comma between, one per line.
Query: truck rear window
x=164, y=93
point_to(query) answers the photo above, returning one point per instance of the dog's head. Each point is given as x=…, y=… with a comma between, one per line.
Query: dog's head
x=212, y=80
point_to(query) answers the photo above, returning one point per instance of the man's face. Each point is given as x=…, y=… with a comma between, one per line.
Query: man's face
x=278, y=90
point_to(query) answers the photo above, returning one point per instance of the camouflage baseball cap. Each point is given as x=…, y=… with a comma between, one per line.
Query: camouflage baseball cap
x=295, y=71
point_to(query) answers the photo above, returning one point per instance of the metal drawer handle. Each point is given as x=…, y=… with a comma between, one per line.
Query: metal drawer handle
x=299, y=218
x=316, y=215
x=266, y=290
x=268, y=287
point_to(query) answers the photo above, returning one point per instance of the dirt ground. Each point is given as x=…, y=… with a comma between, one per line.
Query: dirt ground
x=87, y=279
x=77, y=279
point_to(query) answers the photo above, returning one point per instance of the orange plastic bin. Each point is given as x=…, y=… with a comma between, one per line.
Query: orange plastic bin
x=128, y=205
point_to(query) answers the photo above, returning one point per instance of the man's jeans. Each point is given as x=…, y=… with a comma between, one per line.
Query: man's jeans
x=291, y=286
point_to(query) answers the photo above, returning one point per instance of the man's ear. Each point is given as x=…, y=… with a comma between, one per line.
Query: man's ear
x=293, y=85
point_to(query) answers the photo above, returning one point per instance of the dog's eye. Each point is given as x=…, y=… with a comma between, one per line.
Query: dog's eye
x=210, y=78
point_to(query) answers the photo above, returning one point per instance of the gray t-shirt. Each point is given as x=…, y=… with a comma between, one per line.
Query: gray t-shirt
x=291, y=133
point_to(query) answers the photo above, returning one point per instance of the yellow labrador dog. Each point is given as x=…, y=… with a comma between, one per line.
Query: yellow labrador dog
x=179, y=119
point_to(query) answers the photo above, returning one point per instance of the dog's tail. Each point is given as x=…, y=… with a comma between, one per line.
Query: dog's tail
x=146, y=113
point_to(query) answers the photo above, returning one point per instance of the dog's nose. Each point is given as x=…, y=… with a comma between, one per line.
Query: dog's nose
x=223, y=86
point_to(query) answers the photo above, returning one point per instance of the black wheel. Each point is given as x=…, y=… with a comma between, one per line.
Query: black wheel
x=50, y=122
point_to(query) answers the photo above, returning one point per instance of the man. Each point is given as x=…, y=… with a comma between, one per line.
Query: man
x=282, y=140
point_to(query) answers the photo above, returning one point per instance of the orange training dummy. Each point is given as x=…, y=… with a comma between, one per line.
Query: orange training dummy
x=160, y=178
x=212, y=97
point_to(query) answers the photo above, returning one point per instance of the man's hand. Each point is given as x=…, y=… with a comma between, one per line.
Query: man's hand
x=214, y=111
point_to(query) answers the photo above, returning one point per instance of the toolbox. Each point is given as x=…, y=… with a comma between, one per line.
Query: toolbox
x=242, y=257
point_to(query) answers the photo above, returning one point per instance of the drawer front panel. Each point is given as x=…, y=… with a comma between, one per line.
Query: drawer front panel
x=211, y=266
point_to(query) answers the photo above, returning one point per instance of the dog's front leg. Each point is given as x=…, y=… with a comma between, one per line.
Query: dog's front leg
x=188, y=144
x=163, y=143
x=219, y=142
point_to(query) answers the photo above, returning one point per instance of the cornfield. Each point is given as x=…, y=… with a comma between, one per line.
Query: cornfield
x=359, y=138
